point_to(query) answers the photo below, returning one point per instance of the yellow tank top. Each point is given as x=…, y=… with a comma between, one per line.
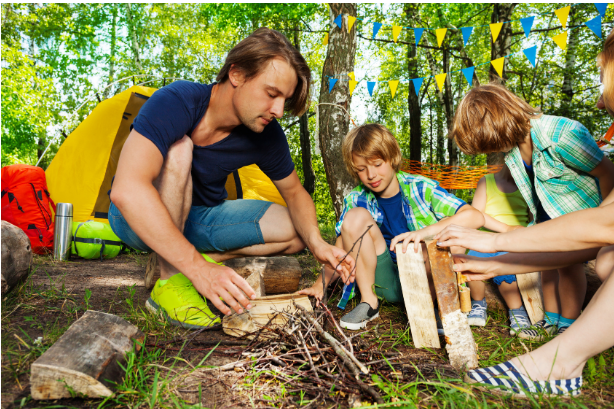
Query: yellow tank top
x=508, y=208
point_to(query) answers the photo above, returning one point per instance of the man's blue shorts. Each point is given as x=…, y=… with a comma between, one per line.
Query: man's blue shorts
x=234, y=224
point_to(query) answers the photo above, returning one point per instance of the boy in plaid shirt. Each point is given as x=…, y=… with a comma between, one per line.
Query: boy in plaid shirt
x=402, y=208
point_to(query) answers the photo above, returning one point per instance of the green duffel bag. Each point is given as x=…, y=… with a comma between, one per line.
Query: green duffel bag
x=93, y=239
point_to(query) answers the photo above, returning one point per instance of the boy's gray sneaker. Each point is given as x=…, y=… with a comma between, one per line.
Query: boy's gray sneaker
x=477, y=315
x=519, y=320
x=359, y=316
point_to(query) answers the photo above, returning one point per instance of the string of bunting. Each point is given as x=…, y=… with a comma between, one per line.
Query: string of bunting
x=530, y=53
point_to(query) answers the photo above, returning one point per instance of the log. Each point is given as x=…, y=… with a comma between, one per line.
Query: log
x=86, y=359
x=417, y=298
x=16, y=256
x=530, y=290
x=281, y=274
x=460, y=344
x=264, y=311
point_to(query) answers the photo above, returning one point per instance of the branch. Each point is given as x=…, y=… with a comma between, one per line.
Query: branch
x=297, y=121
x=403, y=42
x=542, y=30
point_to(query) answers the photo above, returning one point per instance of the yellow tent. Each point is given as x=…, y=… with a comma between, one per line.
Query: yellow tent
x=82, y=170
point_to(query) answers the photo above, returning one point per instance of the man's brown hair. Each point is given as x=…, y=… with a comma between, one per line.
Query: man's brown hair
x=371, y=141
x=491, y=118
x=605, y=60
x=252, y=55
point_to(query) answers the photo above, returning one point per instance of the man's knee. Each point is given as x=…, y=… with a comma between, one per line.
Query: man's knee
x=356, y=220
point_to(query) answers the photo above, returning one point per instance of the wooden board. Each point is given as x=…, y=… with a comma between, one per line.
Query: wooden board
x=530, y=288
x=460, y=344
x=417, y=297
x=86, y=358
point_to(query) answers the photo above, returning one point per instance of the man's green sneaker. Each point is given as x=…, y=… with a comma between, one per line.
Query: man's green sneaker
x=180, y=303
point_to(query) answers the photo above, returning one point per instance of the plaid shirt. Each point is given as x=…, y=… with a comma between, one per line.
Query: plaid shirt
x=424, y=204
x=563, y=154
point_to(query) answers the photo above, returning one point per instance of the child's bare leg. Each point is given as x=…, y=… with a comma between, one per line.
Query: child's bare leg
x=550, y=283
x=572, y=290
x=511, y=295
x=354, y=225
x=605, y=261
x=478, y=290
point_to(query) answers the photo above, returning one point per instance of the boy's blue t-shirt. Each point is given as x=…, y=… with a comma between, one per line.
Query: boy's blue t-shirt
x=542, y=216
x=394, y=222
x=176, y=110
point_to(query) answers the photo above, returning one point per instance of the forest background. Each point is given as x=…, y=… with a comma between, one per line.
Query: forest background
x=56, y=56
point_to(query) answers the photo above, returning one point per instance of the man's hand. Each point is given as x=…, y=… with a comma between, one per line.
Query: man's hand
x=223, y=282
x=476, y=268
x=472, y=239
x=331, y=256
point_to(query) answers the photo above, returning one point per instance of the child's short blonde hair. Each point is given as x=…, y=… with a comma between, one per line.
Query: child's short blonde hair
x=371, y=141
x=605, y=61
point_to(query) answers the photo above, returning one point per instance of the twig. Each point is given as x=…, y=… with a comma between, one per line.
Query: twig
x=330, y=314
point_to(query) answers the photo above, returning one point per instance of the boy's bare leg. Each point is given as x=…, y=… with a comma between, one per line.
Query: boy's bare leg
x=477, y=289
x=511, y=295
x=355, y=223
x=550, y=284
x=605, y=259
x=572, y=290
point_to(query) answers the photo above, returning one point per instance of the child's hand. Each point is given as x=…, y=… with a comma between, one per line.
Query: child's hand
x=406, y=238
x=314, y=291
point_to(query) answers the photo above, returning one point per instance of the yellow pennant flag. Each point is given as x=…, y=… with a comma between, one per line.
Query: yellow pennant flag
x=440, y=33
x=561, y=40
x=325, y=39
x=562, y=14
x=396, y=30
x=352, y=85
x=498, y=65
x=351, y=21
x=352, y=76
x=440, y=79
x=393, y=87
x=495, y=29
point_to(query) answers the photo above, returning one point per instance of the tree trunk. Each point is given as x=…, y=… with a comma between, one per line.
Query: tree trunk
x=135, y=42
x=448, y=103
x=309, y=176
x=570, y=64
x=440, y=138
x=334, y=121
x=109, y=91
x=413, y=103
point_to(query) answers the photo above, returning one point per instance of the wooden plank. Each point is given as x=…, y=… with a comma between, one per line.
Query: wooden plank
x=460, y=344
x=530, y=290
x=417, y=297
x=86, y=358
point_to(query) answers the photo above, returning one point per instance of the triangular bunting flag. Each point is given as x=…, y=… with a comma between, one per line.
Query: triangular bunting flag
x=370, y=86
x=531, y=53
x=393, y=87
x=352, y=76
x=595, y=25
x=466, y=34
x=440, y=33
x=325, y=39
x=562, y=14
x=331, y=84
x=352, y=86
x=498, y=65
x=418, y=34
x=527, y=25
x=417, y=85
x=601, y=7
x=376, y=27
x=440, y=79
x=469, y=74
x=495, y=29
x=396, y=30
x=351, y=21
x=339, y=21
x=561, y=40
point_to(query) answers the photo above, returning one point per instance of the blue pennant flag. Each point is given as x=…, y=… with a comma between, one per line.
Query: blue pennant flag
x=417, y=85
x=376, y=27
x=531, y=53
x=331, y=84
x=601, y=7
x=469, y=74
x=527, y=25
x=466, y=34
x=418, y=34
x=370, y=86
x=595, y=25
x=339, y=21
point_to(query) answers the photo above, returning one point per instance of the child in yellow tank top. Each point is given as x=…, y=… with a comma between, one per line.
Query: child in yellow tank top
x=504, y=209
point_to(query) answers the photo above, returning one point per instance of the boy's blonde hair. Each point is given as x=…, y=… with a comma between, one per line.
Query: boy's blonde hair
x=605, y=61
x=371, y=141
x=491, y=118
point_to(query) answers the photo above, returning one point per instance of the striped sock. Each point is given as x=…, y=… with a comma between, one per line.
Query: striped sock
x=565, y=322
x=552, y=318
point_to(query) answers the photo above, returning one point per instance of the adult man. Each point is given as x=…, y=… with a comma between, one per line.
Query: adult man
x=168, y=195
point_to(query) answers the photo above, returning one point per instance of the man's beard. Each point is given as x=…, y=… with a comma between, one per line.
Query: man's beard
x=252, y=124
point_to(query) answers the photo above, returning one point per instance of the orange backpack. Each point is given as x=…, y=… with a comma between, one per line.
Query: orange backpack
x=27, y=205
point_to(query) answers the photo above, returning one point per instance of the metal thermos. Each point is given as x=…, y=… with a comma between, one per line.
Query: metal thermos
x=63, y=231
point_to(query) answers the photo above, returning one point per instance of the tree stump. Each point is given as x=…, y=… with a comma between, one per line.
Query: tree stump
x=86, y=359
x=16, y=256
